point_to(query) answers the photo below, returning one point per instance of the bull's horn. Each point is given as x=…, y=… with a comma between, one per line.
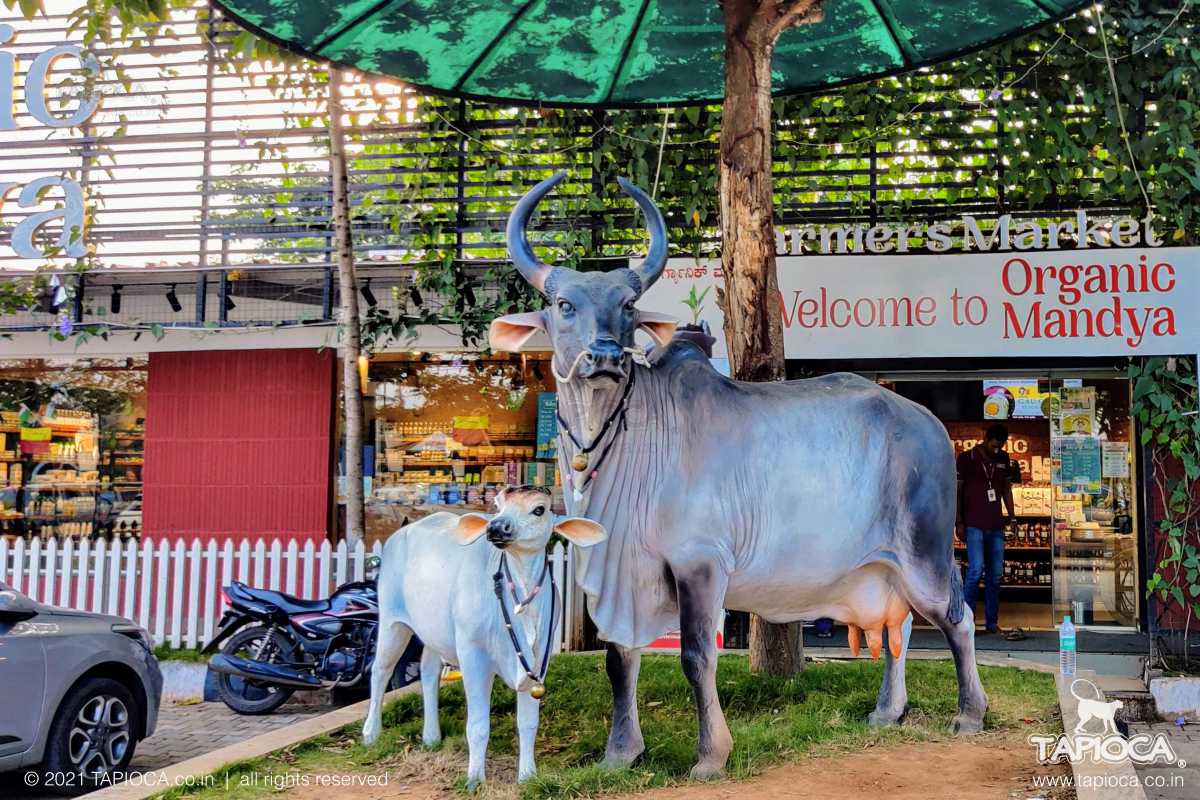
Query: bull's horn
x=656, y=258
x=519, y=250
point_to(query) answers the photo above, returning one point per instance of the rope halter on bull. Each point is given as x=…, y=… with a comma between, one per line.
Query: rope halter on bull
x=545, y=279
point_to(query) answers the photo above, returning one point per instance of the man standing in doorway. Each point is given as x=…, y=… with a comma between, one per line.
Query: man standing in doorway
x=983, y=484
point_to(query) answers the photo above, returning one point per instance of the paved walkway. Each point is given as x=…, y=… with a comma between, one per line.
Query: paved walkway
x=187, y=731
x=1163, y=782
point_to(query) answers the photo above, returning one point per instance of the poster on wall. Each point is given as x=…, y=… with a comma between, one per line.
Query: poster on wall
x=1115, y=459
x=1080, y=469
x=1100, y=302
x=547, y=425
x=1017, y=398
x=1077, y=412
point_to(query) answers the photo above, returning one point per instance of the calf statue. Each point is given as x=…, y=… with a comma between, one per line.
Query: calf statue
x=827, y=497
x=489, y=606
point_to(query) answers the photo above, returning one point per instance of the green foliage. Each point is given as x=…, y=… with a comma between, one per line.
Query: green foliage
x=695, y=302
x=773, y=721
x=1031, y=123
x=1165, y=403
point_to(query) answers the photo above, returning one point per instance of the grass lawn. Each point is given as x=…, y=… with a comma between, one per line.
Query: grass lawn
x=772, y=720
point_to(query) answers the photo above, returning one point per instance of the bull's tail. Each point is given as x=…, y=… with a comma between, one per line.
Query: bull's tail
x=955, y=612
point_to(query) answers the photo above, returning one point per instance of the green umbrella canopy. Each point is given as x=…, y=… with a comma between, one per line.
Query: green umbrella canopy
x=624, y=52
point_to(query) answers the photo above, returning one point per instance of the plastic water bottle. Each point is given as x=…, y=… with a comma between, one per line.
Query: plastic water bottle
x=1066, y=648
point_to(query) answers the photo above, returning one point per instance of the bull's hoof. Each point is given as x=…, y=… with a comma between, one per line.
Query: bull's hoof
x=967, y=723
x=620, y=760
x=885, y=718
x=474, y=785
x=707, y=772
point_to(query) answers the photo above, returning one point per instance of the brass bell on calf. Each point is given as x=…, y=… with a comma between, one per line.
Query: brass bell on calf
x=579, y=463
x=538, y=691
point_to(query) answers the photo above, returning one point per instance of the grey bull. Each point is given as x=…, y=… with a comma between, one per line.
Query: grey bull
x=827, y=497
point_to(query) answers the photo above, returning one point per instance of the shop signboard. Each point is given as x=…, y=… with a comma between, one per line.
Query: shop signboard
x=1095, y=301
x=69, y=210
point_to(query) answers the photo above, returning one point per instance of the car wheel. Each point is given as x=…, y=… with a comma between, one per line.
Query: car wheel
x=254, y=697
x=93, y=735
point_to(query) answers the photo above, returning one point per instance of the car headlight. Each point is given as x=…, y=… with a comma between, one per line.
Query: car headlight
x=135, y=632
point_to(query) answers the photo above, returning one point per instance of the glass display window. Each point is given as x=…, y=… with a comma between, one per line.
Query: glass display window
x=71, y=447
x=1071, y=545
x=449, y=430
x=1093, y=503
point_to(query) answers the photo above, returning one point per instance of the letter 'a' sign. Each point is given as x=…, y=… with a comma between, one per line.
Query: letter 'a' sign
x=1096, y=302
x=68, y=210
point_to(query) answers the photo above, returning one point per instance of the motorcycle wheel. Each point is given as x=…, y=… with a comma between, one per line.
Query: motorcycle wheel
x=253, y=697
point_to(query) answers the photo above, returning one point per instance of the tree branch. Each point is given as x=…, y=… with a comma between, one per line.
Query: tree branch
x=800, y=12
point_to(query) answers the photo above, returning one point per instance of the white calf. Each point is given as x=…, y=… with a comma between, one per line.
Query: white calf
x=447, y=595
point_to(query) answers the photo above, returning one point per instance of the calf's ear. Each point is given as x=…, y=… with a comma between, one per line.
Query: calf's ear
x=509, y=333
x=661, y=327
x=470, y=527
x=580, y=531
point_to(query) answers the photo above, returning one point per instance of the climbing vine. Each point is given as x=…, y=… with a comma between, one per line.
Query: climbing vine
x=1165, y=402
x=1031, y=123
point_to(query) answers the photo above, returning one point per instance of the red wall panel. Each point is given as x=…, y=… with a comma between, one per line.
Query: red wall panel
x=238, y=444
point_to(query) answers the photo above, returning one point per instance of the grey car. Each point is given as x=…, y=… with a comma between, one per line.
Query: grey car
x=78, y=691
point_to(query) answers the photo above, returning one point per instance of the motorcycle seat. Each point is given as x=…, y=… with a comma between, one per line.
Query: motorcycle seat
x=284, y=602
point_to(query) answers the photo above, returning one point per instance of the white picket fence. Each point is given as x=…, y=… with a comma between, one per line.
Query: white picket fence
x=173, y=589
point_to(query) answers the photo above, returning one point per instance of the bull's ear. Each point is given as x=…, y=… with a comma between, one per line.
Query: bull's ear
x=470, y=527
x=580, y=531
x=510, y=333
x=661, y=327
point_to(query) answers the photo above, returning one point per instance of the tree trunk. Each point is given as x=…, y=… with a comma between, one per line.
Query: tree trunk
x=352, y=401
x=750, y=301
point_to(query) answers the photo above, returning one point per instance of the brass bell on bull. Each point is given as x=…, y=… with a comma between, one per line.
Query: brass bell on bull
x=538, y=691
x=580, y=462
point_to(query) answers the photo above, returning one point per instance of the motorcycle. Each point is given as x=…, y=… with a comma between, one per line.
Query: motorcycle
x=273, y=644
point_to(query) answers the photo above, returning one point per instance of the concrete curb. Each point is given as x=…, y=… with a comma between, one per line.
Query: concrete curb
x=190, y=772
x=1095, y=780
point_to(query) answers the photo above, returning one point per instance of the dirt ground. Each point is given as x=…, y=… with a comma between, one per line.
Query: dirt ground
x=983, y=769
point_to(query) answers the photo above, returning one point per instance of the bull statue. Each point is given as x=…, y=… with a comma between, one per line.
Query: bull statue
x=826, y=497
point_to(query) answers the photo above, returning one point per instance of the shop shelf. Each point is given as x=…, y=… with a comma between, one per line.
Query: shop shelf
x=62, y=487
x=60, y=517
x=1015, y=548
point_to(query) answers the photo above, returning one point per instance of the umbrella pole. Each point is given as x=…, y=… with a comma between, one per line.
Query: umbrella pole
x=750, y=300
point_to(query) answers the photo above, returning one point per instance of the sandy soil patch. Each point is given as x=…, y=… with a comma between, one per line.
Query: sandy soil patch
x=992, y=768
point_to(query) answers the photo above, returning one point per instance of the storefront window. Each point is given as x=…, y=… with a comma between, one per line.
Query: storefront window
x=71, y=448
x=1095, y=544
x=447, y=430
x=1072, y=548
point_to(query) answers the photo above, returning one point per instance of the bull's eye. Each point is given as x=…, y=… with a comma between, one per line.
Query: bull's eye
x=629, y=307
x=565, y=308
x=537, y=512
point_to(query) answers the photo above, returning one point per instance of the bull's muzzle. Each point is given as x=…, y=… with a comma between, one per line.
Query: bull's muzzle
x=604, y=358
